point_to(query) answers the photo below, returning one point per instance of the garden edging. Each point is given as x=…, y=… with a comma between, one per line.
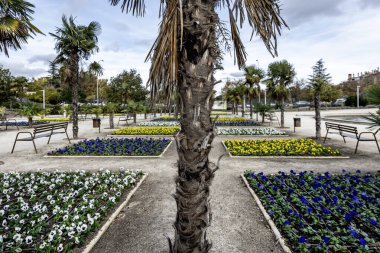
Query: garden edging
x=276, y=232
x=106, y=225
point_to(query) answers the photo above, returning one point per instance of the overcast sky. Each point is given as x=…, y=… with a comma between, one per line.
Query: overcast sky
x=345, y=33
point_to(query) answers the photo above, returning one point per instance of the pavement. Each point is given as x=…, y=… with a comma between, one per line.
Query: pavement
x=237, y=224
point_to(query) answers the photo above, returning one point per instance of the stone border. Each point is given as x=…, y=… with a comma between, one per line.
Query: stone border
x=282, y=157
x=109, y=156
x=140, y=136
x=272, y=225
x=106, y=225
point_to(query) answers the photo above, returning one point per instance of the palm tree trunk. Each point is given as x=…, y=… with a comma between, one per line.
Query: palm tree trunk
x=74, y=78
x=317, y=105
x=243, y=107
x=195, y=81
x=30, y=122
x=282, y=109
x=251, y=102
x=112, y=125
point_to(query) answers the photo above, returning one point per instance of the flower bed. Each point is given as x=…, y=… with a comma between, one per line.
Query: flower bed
x=322, y=212
x=55, y=211
x=114, y=147
x=236, y=119
x=166, y=118
x=54, y=119
x=23, y=123
x=159, y=123
x=146, y=131
x=236, y=123
x=249, y=131
x=292, y=147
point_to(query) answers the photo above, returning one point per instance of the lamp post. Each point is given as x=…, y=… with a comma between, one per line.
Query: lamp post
x=357, y=96
x=265, y=96
x=44, y=101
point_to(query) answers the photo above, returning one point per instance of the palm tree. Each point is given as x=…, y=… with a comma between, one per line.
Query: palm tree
x=232, y=95
x=96, y=69
x=241, y=92
x=318, y=81
x=263, y=110
x=373, y=96
x=280, y=76
x=30, y=110
x=73, y=43
x=15, y=24
x=253, y=77
x=184, y=55
x=111, y=109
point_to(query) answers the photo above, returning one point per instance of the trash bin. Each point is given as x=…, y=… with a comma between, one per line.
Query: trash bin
x=96, y=123
x=297, y=123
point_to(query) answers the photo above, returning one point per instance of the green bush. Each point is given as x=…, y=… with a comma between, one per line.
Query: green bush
x=352, y=101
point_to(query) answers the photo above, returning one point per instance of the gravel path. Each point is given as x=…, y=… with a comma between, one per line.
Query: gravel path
x=237, y=225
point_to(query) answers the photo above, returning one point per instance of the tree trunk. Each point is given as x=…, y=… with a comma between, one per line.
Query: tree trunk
x=195, y=82
x=74, y=78
x=112, y=125
x=317, y=106
x=243, y=107
x=134, y=117
x=30, y=122
x=177, y=105
x=251, y=102
x=282, y=109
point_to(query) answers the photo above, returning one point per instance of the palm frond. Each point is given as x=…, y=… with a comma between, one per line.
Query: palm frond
x=373, y=94
x=264, y=18
x=240, y=55
x=137, y=7
x=374, y=118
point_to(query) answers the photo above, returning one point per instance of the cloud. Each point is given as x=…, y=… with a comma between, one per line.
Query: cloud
x=112, y=47
x=20, y=69
x=369, y=3
x=236, y=74
x=41, y=58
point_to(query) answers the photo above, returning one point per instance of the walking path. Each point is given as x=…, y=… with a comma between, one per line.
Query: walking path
x=237, y=224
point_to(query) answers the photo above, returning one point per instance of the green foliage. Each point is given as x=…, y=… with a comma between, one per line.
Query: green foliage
x=111, y=107
x=125, y=87
x=374, y=118
x=15, y=24
x=2, y=110
x=5, y=85
x=280, y=76
x=30, y=110
x=319, y=78
x=373, y=94
x=263, y=110
x=352, y=101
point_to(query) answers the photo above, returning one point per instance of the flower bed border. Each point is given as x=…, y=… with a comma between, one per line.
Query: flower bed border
x=284, y=156
x=277, y=234
x=110, y=156
x=113, y=216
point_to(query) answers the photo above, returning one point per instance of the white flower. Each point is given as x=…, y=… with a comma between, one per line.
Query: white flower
x=77, y=240
x=2, y=212
x=60, y=247
x=28, y=239
x=42, y=245
x=83, y=228
x=17, y=238
x=17, y=229
x=1, y=239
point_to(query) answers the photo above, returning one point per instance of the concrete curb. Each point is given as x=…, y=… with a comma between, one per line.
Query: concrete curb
x=276, y=232
x=109, y=156
x=140, y=136
x=106, y=225
x=284, y=157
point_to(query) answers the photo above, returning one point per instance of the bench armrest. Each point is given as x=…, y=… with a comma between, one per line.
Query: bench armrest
x=31, y=135
x=367, y=133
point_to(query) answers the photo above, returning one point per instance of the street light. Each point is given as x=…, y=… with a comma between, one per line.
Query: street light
x=43, y=101
x=357, y=96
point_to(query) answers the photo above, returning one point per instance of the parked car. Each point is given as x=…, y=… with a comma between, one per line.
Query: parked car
x=302, y=103
x=339, y=102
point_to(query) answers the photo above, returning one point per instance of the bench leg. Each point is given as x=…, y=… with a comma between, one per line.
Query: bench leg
x=14, y=145
x=377, y=144
x=326, y=136
x=35, y=149
x=357, y=144
x=49, y=139
x=344, y=140
x=67, y=137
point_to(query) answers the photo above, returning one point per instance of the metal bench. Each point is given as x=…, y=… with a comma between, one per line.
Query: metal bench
x=129, y=116
x=350, y=132
x=40, y=131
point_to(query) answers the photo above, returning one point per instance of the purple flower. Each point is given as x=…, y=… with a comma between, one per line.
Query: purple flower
x=326, y=240
x=287, y=222
x=362, y=241
x=302, y=239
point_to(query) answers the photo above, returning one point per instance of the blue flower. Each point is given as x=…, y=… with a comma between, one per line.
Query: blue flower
x=373, y=221
x=287, y=222
x=326, y=240
x=302, y=239
x=309, y=210
x=362, y=241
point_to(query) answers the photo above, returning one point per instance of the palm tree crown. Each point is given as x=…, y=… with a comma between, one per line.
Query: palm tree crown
x=15, y=24
x=280, y=75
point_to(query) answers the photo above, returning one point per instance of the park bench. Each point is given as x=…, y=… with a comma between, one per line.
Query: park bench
x=4, y=122
x=350, y=132
x=41, y=131
x=129, y=116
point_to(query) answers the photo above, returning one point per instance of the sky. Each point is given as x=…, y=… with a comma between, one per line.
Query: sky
x=344, y=33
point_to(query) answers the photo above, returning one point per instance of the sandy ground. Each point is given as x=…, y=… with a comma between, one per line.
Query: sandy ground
x=237, y=226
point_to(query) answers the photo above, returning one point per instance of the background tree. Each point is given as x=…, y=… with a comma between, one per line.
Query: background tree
x=96, y=69
x=318, y=80
x=30, y=110
x=263, y=110
x=253, y=77
x=6, y=94
x=73, y=43
x=15, y=24
x=125, y=87
x=280, y=76
x=111, y=108
x=241, y=91
x=185, y=55
x=232, y=96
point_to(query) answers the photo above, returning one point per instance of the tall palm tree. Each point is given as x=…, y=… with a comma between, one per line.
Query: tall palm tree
x=253, y=77
x=96, y=69
x=232, y=96
x=280, y=76
x=241, y=92
x=15, y=24
x=318, y=81
x=73, y=43
x=184, y=55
